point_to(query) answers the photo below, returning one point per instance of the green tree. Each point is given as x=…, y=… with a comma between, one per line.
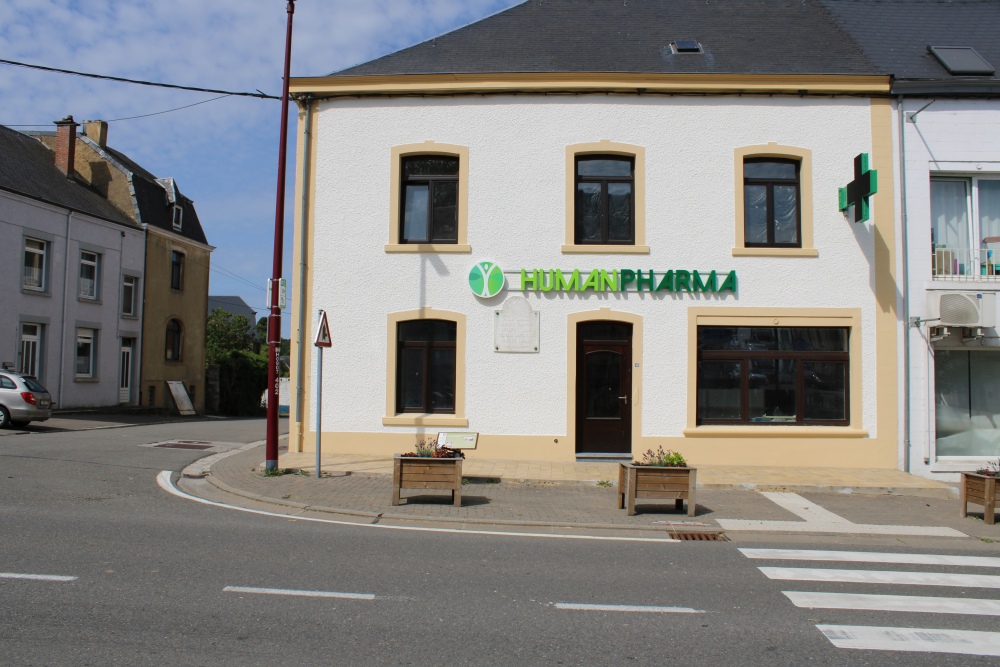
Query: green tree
x=227, y=333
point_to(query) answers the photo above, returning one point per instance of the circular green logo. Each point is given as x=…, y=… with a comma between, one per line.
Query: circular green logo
x=486, y=279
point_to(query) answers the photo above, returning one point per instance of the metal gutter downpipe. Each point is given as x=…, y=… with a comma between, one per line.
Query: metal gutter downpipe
x=300, y=300
x=905, y=286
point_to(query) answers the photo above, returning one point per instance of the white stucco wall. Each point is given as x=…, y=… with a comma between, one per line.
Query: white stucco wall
x=59, y=309
x=949, y=138
x=517, y=210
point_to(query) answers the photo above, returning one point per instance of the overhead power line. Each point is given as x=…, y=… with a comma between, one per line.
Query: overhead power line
x=257, y=94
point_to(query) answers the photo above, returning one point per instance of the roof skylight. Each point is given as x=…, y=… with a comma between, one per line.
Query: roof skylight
x=686, y=46
x=961, y=60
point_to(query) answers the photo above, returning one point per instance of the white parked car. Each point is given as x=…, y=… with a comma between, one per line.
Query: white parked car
x=22, y=400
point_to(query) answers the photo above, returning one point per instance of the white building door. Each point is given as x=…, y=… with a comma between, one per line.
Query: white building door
x=125, y=378
x=30, y=337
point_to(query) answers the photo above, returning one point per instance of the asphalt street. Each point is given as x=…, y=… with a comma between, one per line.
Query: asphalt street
x=153, y=578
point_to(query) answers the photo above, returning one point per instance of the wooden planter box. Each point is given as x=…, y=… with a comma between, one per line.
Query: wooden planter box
x=981, y=490
x=656, y=483
x=418, y=472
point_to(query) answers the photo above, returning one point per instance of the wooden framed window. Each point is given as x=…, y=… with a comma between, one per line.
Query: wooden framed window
x=176, y=270
x=604, y=200
x=425, y=366
x=174, y=341
x=771, y=207
x=751, y=375
x=429, y=203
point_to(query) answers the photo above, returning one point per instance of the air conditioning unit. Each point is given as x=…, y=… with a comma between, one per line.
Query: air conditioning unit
x=962, y=309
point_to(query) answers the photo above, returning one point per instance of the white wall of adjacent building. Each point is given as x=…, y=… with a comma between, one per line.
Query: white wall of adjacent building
x=957, y=140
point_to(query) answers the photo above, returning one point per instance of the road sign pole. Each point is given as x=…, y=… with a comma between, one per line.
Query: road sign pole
x=322, y=340
x=319, y=410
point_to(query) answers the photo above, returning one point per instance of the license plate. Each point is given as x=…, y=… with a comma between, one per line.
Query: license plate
x=44, y=403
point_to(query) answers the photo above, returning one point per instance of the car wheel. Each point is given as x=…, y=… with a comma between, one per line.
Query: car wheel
x=15, y=424
x=4, y=417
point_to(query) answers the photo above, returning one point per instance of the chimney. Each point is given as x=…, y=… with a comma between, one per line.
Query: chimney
x=66, y=144
x=96, y=131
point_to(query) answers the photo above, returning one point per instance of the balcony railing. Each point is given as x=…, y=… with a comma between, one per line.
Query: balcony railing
x=965, y=264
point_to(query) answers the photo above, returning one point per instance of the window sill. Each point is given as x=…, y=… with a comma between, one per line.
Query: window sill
x=86, y=299
x=130, y=317
x=428, y=247
x=775, y=252
x=605, y=249
x=86, y=380
x=35, y=292
x=418, y=419
x=775, y=432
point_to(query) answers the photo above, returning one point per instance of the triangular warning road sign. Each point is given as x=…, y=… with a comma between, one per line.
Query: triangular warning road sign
x=323, y=332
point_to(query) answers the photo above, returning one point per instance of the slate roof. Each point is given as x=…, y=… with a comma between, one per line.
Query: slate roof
x=232, y=304
x=634, y=36
x=895, y=35
x=28, y=168
x=154, y=207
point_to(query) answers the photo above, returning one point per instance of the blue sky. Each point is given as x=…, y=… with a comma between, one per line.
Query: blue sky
x=222, y=153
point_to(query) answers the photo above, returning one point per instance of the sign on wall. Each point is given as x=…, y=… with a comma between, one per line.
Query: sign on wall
x=515, y=327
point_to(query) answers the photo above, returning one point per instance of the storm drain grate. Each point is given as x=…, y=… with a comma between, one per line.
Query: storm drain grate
x=185, y=444
x=701, y=537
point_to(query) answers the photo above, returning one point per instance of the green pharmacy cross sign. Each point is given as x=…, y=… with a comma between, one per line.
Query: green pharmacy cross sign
x=857, y=192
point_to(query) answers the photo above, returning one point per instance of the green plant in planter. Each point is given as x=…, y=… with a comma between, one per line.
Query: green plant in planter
x=991, y=469
x=661, y=458
x=428, y=449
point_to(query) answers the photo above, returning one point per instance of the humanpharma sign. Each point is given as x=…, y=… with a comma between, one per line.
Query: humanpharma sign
x=627, y=280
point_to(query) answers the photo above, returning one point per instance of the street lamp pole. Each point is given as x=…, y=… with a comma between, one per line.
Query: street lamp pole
x=274, y=318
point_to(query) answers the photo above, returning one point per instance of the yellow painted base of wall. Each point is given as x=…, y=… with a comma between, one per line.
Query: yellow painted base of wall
x=749, y=451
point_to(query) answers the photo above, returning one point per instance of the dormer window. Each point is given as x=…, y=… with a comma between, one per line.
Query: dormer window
x=178, y=217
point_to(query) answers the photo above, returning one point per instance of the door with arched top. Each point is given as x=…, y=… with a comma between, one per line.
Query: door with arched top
x=603, y=387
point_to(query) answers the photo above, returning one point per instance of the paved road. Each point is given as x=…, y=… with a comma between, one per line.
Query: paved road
x=158, y=579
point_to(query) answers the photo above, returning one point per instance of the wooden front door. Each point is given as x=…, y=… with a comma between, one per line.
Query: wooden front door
x=603, y=388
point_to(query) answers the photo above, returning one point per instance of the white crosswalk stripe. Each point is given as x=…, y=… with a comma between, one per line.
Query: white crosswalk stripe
x=930, y=640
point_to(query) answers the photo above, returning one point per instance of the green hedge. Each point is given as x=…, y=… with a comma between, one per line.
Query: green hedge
x=242, y=380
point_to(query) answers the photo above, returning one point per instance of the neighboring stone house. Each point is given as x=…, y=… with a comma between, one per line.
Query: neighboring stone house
x=70, y=268
x=177, y=258
x=588, y=229
x=943, y=57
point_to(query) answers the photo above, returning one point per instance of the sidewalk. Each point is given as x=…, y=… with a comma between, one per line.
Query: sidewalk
x=567, y=496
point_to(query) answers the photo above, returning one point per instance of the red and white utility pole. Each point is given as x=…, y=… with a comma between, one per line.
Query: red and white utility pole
x=274, y=318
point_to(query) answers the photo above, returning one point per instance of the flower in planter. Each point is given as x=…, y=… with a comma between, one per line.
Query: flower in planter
x=991, y=469
x=661, y=458
x=429, y=449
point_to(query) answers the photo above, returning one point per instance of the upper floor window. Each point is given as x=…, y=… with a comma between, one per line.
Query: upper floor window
x=430, y=199
x=35, y=252
x=965, y=226
x=771, y=203
x=176, y=270
x=129, y=293
x=89, y=274
x=426, y=366
x=174, y=340
x=178, y=217
x=604, y=200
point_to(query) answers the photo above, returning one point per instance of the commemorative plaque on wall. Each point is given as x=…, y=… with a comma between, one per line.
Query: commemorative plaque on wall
x=515, y=326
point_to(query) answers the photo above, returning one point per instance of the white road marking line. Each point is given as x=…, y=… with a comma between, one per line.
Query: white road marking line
x=883, y=577
x=968, y=642
x=626, y=607
x=820, y=520
x=803, y=508
x=36, y=577
x=929, y=605
x=872, y=557
x=165, y=483
x=308, y=594
x=838, y=527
